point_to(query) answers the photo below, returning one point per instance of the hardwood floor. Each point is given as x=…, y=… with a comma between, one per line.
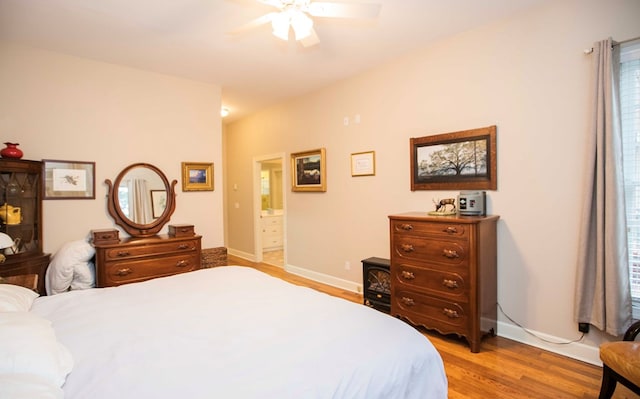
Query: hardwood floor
x=503, y=368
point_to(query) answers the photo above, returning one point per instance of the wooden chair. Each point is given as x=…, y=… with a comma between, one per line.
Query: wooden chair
x=621, y=363
x=25, y=280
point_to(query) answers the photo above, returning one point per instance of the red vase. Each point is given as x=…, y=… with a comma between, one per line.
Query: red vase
x=11, y=151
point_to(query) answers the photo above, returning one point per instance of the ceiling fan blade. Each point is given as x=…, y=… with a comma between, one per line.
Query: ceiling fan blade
x=343, y=10
x=310, y=40
x=265, y=19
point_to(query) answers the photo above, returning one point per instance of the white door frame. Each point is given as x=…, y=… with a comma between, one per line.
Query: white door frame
x=257, y=204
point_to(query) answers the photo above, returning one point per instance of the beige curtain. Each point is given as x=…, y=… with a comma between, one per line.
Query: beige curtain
x=139, y=201
x=603, y=296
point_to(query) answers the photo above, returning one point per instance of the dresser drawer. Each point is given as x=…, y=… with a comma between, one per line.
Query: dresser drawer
x=144, y=269
x=273, y=229
x=271, y=240
x=436, y=230
x=420, y=309
x=436, y=282
x=123, y=252
x=451, y=253
x=268, y=221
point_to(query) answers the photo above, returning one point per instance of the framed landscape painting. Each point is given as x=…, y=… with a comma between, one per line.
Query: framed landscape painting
x=464, y=160
x=308, y=171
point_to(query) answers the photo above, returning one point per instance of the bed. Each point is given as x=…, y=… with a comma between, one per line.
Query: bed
x=225, y=332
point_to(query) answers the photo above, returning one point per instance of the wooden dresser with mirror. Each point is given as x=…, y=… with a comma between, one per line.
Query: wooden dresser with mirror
x=141, y=201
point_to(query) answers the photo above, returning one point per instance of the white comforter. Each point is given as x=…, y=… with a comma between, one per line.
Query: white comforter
x=234, y=332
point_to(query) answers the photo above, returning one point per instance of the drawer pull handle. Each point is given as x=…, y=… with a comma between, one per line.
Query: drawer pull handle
x=407, y=247
x=450, y=313
x=408, y=275
x=184, y=246
x=105, y=236
x=182, y=263
x=406, y=227
x=408, y=301
x=123, y=253
x=123, y=272
x=450, y=283
x=379, y=296
x=450, y=253
x=450, y=230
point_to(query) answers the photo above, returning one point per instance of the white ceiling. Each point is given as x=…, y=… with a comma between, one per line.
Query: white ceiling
x=189, y=38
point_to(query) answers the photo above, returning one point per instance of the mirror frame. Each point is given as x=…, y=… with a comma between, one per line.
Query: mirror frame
x=132, y=228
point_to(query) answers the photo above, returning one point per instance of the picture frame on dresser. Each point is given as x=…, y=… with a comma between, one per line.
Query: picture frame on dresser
x=309, y=171
x=68, y=179
x=158, y=202
x=464, y=160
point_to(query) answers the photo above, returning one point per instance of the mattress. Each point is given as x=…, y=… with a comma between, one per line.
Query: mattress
x=235, y=332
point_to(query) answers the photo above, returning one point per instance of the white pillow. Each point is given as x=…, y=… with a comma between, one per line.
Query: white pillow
x=27, y=386
x=84, y=276
x=14, y=298
x=73, y=256
x=28, y=345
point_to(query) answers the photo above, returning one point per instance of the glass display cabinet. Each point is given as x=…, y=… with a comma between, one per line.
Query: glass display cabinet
x=21, y=220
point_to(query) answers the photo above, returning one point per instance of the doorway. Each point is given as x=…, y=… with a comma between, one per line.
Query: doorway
x=270, y=210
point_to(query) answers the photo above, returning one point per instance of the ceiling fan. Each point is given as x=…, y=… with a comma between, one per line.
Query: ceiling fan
x=296, y=15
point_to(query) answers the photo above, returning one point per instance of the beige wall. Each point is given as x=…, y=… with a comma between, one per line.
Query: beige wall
x=527, y=75
x=68, y=108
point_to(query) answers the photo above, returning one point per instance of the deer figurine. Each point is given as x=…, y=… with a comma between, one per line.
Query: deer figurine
x=441, y=206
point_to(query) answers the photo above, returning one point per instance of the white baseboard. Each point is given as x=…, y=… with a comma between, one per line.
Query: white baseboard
x=574, y=350
x=240, y=254
x=325, y=279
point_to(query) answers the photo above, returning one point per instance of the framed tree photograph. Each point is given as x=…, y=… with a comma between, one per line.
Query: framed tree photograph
x=464, y=160
x=197, y=176
x=308, y=171
x=69, y=179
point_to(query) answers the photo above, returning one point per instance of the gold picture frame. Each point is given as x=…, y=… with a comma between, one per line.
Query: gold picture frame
x=309, y=171
x=197, y=176
x=363, y=163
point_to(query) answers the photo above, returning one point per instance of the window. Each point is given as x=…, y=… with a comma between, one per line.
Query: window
x=630, y=114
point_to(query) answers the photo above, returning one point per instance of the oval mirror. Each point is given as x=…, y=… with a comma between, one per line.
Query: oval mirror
x=141, y=200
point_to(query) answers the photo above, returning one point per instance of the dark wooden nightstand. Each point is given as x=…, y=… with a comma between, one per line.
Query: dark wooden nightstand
x=24, y=280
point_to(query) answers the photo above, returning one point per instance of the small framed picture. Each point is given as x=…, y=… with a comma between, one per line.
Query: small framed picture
x=69, y=179
x=158, y=202
x=363, y=163
x=197, y=176
x=309, y=171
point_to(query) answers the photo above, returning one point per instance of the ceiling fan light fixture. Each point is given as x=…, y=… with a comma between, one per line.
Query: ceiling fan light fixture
x=302, y=25
x=280, y=25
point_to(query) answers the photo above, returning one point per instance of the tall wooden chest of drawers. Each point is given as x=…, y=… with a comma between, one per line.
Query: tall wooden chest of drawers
x=131, y=259
x=444, y=272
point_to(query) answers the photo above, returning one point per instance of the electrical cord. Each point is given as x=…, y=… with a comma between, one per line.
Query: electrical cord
x=535, y=335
